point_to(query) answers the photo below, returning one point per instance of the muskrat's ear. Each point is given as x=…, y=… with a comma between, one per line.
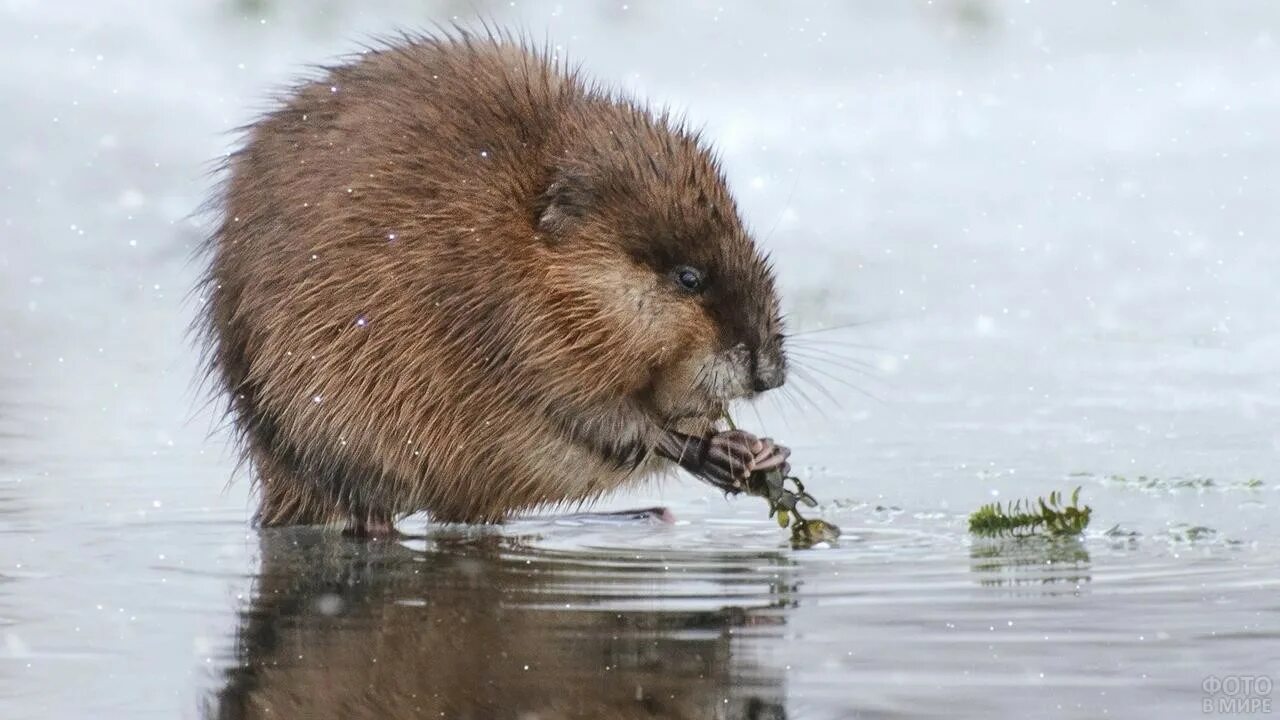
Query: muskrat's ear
x=565, y=201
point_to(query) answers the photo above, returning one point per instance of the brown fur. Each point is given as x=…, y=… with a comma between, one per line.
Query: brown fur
x=441, y=283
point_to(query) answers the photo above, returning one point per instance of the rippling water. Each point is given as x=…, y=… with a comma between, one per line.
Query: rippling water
x=1053, y=224
x=545, y=620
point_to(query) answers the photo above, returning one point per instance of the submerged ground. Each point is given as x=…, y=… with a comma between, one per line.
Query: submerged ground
x=1054, y=228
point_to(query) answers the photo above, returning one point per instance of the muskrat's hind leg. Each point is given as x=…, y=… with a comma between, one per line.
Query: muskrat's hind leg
x=370, y=524
x=287, y=499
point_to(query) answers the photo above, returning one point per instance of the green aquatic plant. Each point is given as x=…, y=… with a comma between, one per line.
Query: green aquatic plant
x=772, y=486
x=1183, y=532
x=783, y=506
x=1047, y=517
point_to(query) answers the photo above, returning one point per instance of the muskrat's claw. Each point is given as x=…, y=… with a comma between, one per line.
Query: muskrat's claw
x=772, y=455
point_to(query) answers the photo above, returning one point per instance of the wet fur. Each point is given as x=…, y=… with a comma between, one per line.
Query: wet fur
x=433, y=288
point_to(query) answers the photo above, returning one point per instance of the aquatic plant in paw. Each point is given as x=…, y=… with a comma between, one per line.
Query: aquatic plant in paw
x=1021, y=518
x=771, y=485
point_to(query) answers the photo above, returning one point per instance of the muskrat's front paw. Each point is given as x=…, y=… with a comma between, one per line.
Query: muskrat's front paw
x=771, y=456
x=733, y=456
x=730, y=456
x=725, y=459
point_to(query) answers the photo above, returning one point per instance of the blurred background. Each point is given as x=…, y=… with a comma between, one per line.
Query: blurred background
x=1038, y=240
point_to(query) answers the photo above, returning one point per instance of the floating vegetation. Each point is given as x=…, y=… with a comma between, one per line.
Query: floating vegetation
x=1118, y=532
x=1121, y=538
x=1179, y=534
x=1183, y=532
x=1023, y=518
x=1152, y=483
x=845, y=503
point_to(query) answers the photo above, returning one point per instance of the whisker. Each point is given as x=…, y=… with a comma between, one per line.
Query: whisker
x=789, y=395
x=669, y=423
x=836, y=378
x=803, y=364
x=845, y=326
x=864, y=369
x=802, y=373
x=784, y=394
x=800, y=391
x=825, y=343
x=835, y=367
x=850, y=348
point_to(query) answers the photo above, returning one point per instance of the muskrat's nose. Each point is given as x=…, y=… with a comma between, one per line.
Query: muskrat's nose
x=768, y=371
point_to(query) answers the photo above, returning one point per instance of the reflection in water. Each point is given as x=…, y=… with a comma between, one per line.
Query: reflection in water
x=486, y=627
x=1054, y=566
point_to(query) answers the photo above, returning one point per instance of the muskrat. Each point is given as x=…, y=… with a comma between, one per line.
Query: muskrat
x=452, y=275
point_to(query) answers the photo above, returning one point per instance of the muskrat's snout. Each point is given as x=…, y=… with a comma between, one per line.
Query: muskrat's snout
x=742, y=371
x=768, y=367
x=751, y=357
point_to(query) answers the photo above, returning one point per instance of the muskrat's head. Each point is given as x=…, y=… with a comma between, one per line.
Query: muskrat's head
x=639, y=215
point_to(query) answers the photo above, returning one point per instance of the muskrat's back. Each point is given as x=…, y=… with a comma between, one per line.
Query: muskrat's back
x=396, y=316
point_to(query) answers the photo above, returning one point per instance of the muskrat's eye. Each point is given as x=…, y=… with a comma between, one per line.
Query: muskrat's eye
x=689, y=279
